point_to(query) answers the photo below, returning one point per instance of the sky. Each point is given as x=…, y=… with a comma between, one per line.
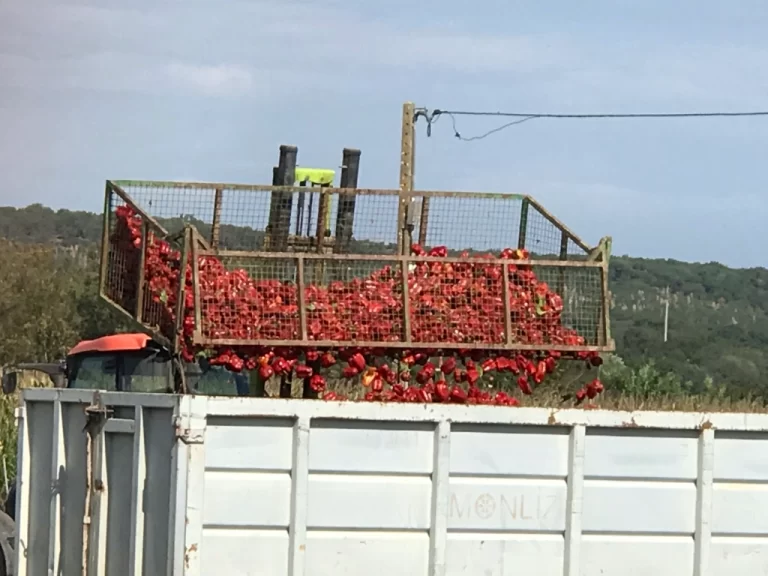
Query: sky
x=207, y=91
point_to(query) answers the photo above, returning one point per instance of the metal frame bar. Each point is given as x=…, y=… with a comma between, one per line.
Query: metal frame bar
x=120, y=184
x=479, y=415
x=185, y=250
x=398, y=258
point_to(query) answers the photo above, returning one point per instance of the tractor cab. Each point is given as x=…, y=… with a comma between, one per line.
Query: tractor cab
x=131, y=363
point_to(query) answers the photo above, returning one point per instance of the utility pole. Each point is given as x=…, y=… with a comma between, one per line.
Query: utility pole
x=410, y=211
x=666, y=314
x=407, y=154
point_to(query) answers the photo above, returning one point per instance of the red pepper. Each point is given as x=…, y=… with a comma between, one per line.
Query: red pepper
x=458, y=394
x=441, y=391
x=235, y=364
x=350, y=372
x=312, y=355
x=472, y=376
x=302, y=371
x=425, y=373
x=594, y=388
x=317, y=383
x=281, y=366
x=448, y=366
x=489, y=365
x=327, y=360
x=524, y=385
x=503, y=364
x=358, y=362
x=266, y=372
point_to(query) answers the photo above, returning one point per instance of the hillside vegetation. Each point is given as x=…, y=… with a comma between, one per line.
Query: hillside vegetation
x=718, y=334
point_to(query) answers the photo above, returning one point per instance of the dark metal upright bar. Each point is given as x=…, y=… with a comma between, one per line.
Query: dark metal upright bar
x=350, y=169
x=281, y=202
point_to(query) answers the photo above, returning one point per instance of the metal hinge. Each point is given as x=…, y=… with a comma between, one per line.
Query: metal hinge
x=189, y=434
x=96, y=414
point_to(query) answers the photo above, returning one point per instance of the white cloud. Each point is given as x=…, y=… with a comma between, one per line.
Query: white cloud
x=221, y=80
x=171, y=44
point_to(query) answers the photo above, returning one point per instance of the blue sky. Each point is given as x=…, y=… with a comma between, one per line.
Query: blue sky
x=205, y=90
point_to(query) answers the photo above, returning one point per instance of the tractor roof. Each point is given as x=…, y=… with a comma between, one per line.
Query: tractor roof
x=112, y=343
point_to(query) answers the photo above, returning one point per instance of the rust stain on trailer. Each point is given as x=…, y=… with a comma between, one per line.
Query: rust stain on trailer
x=188, y=552
x=552, y=420
x=630, y=424
x=706, y=425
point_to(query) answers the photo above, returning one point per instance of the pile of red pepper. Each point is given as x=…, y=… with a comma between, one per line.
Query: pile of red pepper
x=455, y=302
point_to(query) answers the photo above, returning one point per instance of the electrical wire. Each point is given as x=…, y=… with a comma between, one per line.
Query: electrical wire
x=433, y=116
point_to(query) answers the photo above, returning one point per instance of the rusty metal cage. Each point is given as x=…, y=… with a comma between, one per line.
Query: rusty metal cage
x=342, y=240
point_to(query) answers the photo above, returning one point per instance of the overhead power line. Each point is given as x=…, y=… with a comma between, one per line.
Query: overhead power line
x=520, y=117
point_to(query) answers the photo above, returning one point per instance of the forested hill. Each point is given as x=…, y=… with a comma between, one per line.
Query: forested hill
x=718, y=316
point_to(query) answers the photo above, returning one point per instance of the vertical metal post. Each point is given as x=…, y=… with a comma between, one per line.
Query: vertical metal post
x=563, y=256
x=406, y=300
x=216, y=224
x=180, y=296
x=300, y=210
x=269, y=231
x=523, y=224
x=105, y=244
x=141, y=279
x=424, y=220
x=300, y=289
x=350, y=168
x=508, y=337
x=407, y=146
x=198, y=334
x=323, y=209
x=605, y=332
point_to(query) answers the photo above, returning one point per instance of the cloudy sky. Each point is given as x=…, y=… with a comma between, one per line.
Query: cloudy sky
x=207, y=90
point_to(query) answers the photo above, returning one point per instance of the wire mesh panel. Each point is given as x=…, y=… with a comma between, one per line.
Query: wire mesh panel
x=140, y=269
x=472, y=285
x=475, y=222
x=490, y=222
x=241, y=217
x=247, y=299
x=462, y=302
x=354, y=300
x=265, y=299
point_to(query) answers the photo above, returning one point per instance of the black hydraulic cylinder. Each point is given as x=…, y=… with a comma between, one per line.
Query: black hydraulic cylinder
x=281, y=203
x=346, y=212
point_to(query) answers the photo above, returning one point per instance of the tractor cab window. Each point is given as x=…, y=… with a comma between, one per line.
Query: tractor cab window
x=149, y=371
x=92, y=372
x=121, y=372
x=214, y=381
x=143, y=372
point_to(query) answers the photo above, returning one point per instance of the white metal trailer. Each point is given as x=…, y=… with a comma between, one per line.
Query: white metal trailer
x=234, y=486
